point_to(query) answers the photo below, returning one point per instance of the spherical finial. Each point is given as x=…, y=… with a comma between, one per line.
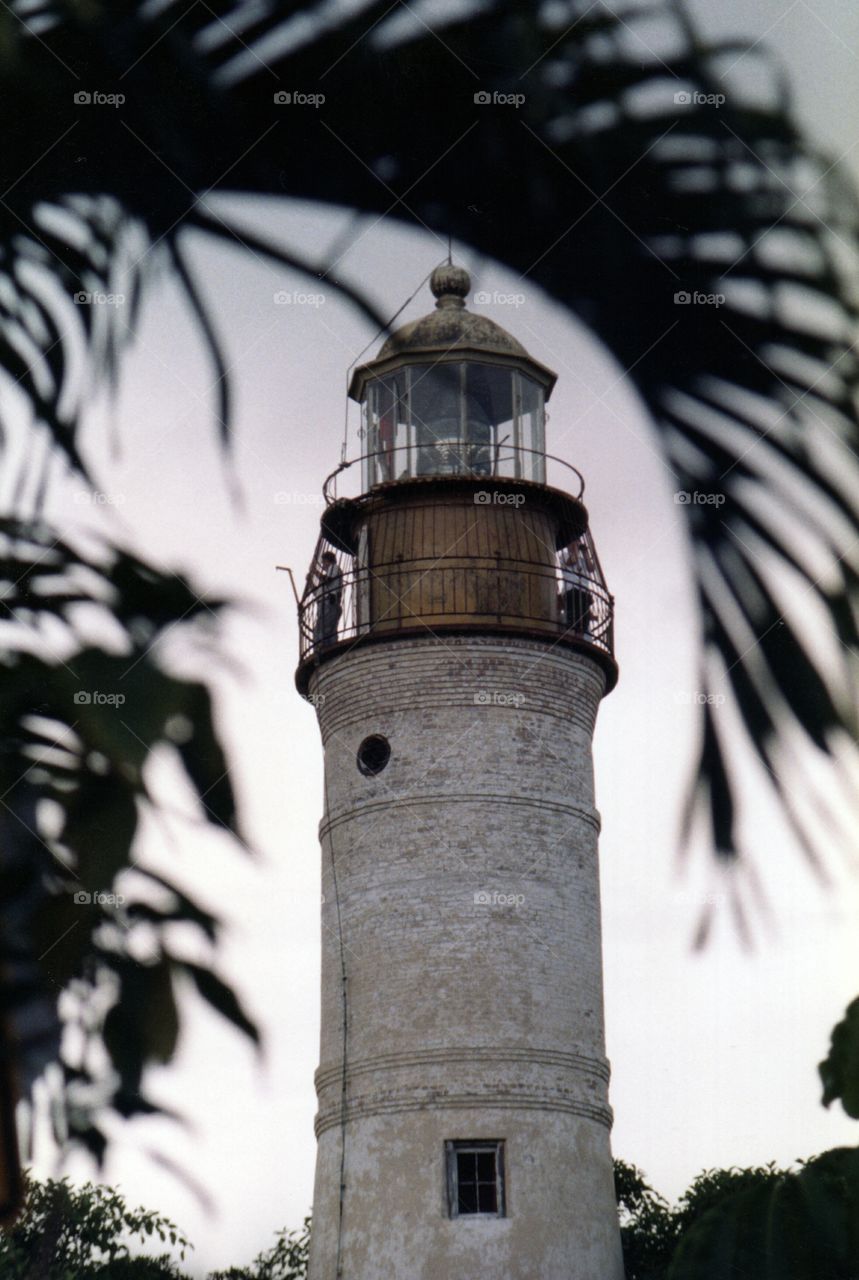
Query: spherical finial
x=450, y=284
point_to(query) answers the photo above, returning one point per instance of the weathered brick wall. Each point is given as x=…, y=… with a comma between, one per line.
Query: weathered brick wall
x=468, y=894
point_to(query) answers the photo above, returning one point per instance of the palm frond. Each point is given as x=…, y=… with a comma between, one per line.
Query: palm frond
x=638, y=169
x=78, y=725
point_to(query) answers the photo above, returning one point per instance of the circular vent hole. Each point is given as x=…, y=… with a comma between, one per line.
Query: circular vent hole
x=373, y=754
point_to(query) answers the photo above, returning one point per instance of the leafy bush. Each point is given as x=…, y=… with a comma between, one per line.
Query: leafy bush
x=82, y=1233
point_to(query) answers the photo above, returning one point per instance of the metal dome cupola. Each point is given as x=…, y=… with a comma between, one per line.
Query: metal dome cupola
x=452, y=394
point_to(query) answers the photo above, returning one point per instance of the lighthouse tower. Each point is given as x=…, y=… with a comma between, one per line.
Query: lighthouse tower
x=456, y=640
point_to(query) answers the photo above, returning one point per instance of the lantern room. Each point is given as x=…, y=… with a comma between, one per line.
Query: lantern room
x=452, y=394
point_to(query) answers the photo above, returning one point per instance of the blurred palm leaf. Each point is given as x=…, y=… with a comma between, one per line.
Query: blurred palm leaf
x=88, y=957
x=638, y=167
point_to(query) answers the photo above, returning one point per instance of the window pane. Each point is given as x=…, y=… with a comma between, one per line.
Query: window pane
x=487, y=1198
x=452, y=407
x=532, y=429
x=466, y=1178
x=436, y=408
x=486, y=1166
x=385, y=427
x=489, y=413
x=489, y=394
x=467, y=1198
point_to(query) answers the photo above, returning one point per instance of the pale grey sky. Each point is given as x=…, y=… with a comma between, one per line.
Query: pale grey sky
x=714, y=1056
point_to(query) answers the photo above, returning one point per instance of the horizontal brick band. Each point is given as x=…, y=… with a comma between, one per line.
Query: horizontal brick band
x=362, y=1108
x=587, y=814
x=487, y=1055
x=455, y=1086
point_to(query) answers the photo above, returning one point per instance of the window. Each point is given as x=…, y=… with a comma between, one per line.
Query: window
x=475, y=1178
x=373, y=754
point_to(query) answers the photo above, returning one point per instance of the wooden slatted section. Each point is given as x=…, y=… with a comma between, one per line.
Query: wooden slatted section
x=453, y=561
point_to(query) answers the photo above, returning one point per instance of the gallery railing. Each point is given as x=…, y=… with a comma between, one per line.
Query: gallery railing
x=355, y=601
x=451, y=458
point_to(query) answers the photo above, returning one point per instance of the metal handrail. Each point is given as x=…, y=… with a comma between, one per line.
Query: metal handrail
x=466, y=472
x=382, y=568
x=453, y=583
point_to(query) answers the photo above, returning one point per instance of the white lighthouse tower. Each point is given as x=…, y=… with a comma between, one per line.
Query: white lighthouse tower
x=456, y=640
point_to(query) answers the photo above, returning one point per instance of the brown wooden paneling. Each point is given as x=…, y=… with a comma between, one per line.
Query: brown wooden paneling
x=450, y=560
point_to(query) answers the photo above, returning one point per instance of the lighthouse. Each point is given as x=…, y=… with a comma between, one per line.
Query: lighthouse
x=456, y=637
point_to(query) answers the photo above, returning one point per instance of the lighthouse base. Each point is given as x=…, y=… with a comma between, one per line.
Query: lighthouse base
x=560, y=1220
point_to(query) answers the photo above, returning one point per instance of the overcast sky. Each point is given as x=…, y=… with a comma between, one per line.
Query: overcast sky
x=713, y=1056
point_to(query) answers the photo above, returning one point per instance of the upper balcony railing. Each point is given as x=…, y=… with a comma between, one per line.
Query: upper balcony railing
x=450, y=459
x=350, y=601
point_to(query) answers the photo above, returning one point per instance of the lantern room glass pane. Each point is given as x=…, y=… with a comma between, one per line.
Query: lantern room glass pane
x=531, y=433
x=386, y=431
x=447, y=429
x=454, y=418
x=490, y=392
